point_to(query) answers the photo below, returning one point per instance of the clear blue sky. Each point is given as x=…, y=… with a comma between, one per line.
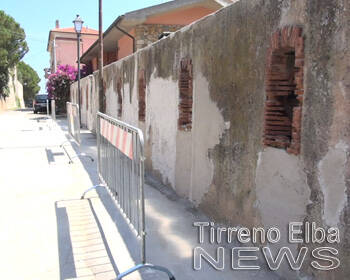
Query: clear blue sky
x=37, y=17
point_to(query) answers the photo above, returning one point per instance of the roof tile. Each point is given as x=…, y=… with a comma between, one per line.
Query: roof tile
x=84, y=30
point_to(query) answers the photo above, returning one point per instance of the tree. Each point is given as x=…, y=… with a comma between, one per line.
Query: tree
x=58, y=85
x=13, y=47
x=29, y=79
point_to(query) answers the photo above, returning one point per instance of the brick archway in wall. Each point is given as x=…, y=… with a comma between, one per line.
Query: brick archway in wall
x=284, y=89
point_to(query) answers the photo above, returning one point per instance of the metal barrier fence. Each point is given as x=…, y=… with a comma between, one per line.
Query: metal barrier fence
x=73, y=121
x=120, y=149
x=53, y=109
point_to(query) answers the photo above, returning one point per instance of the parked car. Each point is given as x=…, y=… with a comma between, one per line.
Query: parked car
x=28, y=103
x=39, y=103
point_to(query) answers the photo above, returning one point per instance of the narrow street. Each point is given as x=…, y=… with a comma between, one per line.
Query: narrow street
x=47, y=232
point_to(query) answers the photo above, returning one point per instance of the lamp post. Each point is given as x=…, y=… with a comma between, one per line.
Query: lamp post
x=78, y=25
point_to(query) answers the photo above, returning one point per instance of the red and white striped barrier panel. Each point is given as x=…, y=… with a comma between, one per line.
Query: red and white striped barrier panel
x=118, y=137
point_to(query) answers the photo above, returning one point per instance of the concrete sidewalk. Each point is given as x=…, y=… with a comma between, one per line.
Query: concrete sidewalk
x=171, y=236
x=47, y=232
x=35, y=174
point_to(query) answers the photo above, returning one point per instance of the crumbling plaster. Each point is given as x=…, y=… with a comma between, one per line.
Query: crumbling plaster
x=332, y=170
x=161, y=121
x=221, y=164
x=206, y=132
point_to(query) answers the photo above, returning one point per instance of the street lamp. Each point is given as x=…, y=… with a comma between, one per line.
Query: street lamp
x=78, y=26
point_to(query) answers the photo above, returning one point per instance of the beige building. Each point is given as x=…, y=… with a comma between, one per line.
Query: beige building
x=140, y=28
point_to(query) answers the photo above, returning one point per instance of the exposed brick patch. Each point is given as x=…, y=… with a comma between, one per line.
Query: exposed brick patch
x=142, y=96
x=120, y=97
x=284, y=89
x=186, y=93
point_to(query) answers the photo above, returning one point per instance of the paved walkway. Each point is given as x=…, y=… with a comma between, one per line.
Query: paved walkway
x=46, y=232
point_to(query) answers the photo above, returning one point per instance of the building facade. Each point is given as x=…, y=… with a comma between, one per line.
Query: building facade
x=62, y=45
x=140, y=28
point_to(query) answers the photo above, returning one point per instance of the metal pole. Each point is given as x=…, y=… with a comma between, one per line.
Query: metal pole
x=98, y=131
x=53, y=109
x=100, y=59
x=78, y=47
x=142, y=198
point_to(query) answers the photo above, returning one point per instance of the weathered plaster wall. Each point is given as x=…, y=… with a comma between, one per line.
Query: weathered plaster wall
x=221, y=164
x=84, y=102
x=161, y=124
x=327, y=120
x=203, y=139
x=332, y=169
x=282, y=194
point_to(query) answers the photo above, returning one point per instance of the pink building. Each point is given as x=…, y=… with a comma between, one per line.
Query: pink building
x=62, y=45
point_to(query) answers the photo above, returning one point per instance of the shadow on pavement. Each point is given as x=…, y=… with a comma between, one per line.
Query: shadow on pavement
x=169, y=224
x=65, y=251
x=132, y=243
x=82, y=246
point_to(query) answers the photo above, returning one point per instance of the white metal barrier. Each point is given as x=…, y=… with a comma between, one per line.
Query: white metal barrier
x=74, y=128
x=73, y=121
x=120, y=165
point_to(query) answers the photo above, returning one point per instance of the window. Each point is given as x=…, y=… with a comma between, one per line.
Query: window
x=142, y=96
x=186, y=93
x=284, y=90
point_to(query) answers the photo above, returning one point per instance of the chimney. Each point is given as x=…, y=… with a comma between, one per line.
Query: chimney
x=57, y=24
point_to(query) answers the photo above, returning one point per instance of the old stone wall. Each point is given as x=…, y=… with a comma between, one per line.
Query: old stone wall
x=15, y=93
x=221, y=161
x=146, y=34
